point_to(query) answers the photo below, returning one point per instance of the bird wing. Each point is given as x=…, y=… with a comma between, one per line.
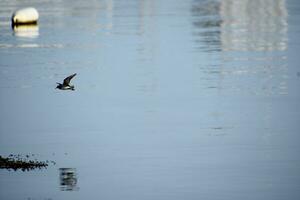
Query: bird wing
x=68, y=79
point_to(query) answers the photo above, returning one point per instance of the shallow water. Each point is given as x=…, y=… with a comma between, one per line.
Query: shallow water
x=194, y=99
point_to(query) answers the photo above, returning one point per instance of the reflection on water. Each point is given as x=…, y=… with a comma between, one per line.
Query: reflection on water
x=259, y=25
x=172, y=99
x=241, y=25
x=252, y=38
x=207, y=21
x=68, y=179
x=26, y=31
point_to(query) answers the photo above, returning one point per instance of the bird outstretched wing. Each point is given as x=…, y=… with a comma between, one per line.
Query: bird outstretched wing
x=68, y=79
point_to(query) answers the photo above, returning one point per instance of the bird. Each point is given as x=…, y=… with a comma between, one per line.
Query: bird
x=66, y=84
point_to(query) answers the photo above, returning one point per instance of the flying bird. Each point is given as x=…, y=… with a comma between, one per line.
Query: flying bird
x=66, y=84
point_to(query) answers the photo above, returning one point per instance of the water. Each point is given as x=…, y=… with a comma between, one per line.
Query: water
x=173, y=99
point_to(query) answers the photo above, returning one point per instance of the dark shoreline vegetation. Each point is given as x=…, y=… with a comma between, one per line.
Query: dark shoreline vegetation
x=15, y=162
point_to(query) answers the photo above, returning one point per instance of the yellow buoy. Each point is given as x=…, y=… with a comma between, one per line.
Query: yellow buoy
x=25, y=16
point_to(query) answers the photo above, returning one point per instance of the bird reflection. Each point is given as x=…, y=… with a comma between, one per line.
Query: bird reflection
x=68, y=179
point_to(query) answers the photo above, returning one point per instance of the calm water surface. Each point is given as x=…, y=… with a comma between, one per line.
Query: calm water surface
x=174, y=100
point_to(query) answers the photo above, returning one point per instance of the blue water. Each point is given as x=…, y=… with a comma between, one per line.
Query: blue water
x=194, y=99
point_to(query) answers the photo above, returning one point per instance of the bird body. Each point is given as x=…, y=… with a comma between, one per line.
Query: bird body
x=66, y=84
x=62, y=87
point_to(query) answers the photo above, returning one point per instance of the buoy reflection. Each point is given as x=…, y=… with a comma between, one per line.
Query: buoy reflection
x=26, y=31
